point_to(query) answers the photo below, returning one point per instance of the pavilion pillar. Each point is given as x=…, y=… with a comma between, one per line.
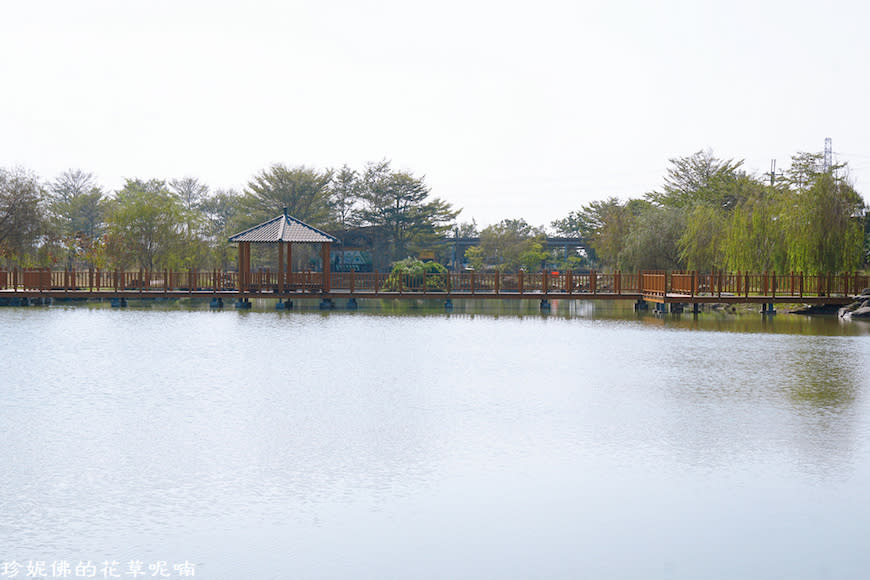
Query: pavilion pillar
x=324, y=257
x=289, y=263
x=280, y=267
x=244, y=266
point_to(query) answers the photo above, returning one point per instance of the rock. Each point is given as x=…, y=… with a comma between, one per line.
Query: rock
x=858, y=309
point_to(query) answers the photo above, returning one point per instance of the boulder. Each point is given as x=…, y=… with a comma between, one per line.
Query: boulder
x=858, y=309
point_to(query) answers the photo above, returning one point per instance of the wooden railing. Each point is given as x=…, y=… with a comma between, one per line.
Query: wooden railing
x=650, y=284
x=267, y=281
x=770, y=284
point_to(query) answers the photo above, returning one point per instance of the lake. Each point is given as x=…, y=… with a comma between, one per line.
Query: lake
x=402, y=441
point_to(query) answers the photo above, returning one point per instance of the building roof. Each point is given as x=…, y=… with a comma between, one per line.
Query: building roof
x=284, y=228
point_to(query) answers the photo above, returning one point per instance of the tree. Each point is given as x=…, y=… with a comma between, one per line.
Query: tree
x=21, y=212
x=146, y=227
x=77, y=209
x=223, y=213
x=510, y=245
x=653, y=242
x=190, y=191
x=754, y=237
x=397, y=204
x=304, y=192
x=700, y=177
x=604, y=226
x=823, y=227
x=344, y=198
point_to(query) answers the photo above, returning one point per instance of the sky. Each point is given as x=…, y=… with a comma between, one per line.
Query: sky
x=506, y=109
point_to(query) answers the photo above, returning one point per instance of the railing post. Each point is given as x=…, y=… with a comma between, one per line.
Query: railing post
x=472, y=281
x=497, y=281
x=773, y=285
x=545, y=281
x=520, y=280
x=593, y=281
x=618, y=282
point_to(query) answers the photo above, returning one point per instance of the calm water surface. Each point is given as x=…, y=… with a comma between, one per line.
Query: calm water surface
x=410, y=443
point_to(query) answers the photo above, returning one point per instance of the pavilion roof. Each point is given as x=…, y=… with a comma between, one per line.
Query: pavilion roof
x=284, y=228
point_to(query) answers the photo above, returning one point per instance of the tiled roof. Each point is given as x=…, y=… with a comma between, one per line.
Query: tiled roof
x=284, y=228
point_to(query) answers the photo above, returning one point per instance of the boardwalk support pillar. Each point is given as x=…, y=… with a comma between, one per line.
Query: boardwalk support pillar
x=327, y=304
x=243, y=304
x=280, y=305
x=695, y=308
x=767, y=309
x=216, y=302
x=676, y=308
x=119, y=302
x=661, y=308
x=545, y=305
x=448, y=304
x=640, y=305
x=352, y=304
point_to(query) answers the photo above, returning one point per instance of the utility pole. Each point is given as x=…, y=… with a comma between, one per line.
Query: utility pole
x=773, y=173
x=828, y=155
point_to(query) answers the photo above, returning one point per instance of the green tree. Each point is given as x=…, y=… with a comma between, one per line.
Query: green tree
x=509, y=245
x=701, y=243
x=146, y=227
x=823, y=227
x=345, y=195
x=700, y=178
x=190, y=191
x=397, y=204
x=604, y=226
x=224, y=215
x=77, y=207
x=653, y=242
x=304, y=192
x=754, y=238
x=21, y=213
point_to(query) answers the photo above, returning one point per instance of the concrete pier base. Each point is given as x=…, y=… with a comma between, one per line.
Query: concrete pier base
x=352, y=304
x=545, y=305
x=243, y=304
x=641, y=305
x=448, y=304
x=216, y=303
x=327, y=304
x=768, y=309
x=119, y=302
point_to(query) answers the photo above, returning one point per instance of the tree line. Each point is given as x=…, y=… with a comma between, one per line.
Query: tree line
x=709, y=214
x=182, y=223
x=712, y=215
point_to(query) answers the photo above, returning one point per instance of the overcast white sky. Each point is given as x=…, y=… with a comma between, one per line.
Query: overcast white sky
x=509, y=109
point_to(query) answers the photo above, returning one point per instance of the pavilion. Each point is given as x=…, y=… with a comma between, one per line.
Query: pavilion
x=284, y=230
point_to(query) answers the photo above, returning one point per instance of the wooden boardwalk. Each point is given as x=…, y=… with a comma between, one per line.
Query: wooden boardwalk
x=664, y=288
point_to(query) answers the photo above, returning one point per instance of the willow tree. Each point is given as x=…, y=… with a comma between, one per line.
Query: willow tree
x=755, y=237
x=824, y=228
